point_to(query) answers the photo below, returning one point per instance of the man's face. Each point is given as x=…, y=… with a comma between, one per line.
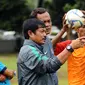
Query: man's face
x=39, y=36
x=45, y=17
x=81, y=31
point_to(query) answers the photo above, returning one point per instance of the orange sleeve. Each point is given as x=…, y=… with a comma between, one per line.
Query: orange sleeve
x=60, y=46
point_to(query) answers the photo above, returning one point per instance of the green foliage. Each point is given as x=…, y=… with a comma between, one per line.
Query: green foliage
x=12, y=14
x=67, y=7
x=78, y=5
x=32, y=3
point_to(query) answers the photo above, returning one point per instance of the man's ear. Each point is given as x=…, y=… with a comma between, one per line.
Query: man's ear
x=30, y=33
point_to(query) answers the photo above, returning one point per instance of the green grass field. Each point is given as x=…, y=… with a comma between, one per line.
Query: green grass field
x=62, y=75
x=10, y=61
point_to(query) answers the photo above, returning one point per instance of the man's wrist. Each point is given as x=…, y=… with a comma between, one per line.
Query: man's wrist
x=69, y=48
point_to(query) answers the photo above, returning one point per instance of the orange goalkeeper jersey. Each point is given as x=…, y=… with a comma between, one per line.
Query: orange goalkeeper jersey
x=76, y=67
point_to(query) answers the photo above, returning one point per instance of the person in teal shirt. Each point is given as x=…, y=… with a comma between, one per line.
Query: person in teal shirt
x=5, y=75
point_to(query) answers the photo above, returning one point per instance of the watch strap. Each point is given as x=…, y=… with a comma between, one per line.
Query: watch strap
x=70, y=49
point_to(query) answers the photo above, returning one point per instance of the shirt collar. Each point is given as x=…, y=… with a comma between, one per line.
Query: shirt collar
x=32, y=43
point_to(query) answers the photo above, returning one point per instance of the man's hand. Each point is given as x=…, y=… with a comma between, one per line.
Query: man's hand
x=79, y=42
x=65, y=26
x=83, y=11
x=9, y=73
x=2, y=77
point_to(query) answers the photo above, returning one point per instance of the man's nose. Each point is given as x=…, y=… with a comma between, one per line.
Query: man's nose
x=44, y=34
x=47, y=23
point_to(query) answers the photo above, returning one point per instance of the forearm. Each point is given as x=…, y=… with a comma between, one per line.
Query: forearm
x=63, y=56
x=6, y=74
x=61, y=46
x=75, y=44
x=49, y=66
x=9, y=73
x=57, y=38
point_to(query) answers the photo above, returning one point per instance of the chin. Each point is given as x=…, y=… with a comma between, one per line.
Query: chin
x=43, y=42
x=47, y=33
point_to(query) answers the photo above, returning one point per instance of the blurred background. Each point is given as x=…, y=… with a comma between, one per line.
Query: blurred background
x=12, y=15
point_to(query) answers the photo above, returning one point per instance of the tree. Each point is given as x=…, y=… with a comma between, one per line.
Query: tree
x=12, y=14
x=79, y=4
x=40, y=3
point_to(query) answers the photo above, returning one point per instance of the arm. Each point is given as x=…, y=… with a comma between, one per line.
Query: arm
x=5, y=71
x=59, y=47
x=79, y=42
x=42, y=64
x=9, y=73
x=39, y=62
x=57, y=38
x=2, y=77
x=83, y=11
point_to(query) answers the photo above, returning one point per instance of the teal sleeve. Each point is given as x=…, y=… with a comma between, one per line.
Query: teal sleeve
x=39, y=62
x=2, y=67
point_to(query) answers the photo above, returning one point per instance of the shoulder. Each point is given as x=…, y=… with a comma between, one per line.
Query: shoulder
x=25, y=53
x=27, y=49
x=1, y=65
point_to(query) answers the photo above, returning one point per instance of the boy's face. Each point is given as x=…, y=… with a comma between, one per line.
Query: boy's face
x=39, y=36
x=45, y=17
x=81, y=31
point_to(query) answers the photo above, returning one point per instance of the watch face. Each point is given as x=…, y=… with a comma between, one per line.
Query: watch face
x=68, y=47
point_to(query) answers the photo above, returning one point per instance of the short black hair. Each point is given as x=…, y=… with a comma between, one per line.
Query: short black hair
x=37, y=11
x=31, y=24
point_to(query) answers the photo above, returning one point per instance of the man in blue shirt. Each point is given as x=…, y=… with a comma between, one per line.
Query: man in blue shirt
x=5, y=75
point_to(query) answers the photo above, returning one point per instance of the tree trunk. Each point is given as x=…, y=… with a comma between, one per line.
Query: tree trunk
x=40, y=3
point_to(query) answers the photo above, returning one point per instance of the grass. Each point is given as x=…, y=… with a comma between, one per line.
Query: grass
x=62, y=75
x=10, y=61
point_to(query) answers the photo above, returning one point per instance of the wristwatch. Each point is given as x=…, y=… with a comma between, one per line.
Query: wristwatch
x=69, y=48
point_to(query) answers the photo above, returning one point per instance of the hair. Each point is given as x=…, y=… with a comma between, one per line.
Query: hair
x=31, y=24
x=37, y=11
